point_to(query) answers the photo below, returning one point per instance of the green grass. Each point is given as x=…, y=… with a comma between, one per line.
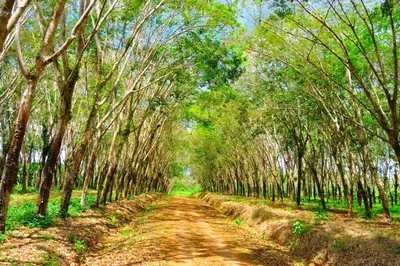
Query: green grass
x=299, y=263
x=46, y=237
x=321, y=217
x=181, y=189
x=2, y=237
x=71, y=237
x=21, y=210
x=315, y=205
x=238, y=220
x=51, y=259
x=114, y=218
x=127, y=232
x=338, y=244
x=80, y=246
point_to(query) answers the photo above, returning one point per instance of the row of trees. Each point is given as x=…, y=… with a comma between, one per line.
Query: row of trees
x=316, y=112
x=89, y=92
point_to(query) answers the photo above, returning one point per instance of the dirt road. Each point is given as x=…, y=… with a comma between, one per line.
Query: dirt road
x=178, y=231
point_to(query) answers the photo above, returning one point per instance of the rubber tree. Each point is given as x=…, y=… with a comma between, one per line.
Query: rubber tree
x=66, y=82
x=44, y=57
x=149, y=8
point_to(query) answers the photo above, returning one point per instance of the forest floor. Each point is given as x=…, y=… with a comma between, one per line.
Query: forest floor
x=185, y=231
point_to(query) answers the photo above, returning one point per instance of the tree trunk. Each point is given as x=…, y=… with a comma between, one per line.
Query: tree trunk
x=109, y=181
x=28, y=172
x=5, y=146
x=69, y=182
x=9, y=175
x=299, y=175
x=273, y=192
x=101, y=181
x=379, y=184
x=264, y=189
x=50, y=167
x=291, y=186
x=45, y=151
x=396, y=187
x=364, y=196
x=88, y=177
x=320, y=188
x=370, y=196
x=5, y=14
x=24, y=167
x=343, y=177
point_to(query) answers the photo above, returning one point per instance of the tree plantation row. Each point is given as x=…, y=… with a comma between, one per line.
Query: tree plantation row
x=315, y=114
x=275, y=99
x=90, y=91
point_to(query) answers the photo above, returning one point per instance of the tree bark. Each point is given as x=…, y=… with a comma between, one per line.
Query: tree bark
x=109, y=181
x=24, y=167
x=9, y=175
x=69, y=182
x=49, y=170
x=378, y=183
x=299, y=175
x=5, y=14
x=396, y=187
x=88, y=177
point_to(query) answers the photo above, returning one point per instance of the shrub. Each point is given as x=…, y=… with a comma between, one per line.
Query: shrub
x=126, y=232
x=299, y=228
x=2, y=237
x=369, y=214
x=114, y=219
x=23, y=215
x=338, y=244
x=80, y=246
x=321, y=217
x=71, y=237
x=238, y=220
x=299, y=263
x=51, y=260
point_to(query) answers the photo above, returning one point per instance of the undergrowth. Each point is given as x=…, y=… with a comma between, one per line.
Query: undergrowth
x=80, y=245
x=23, y=215
x=238, y=220
x=51, y=259
x=299, y=228
x=321, y=217
x=2, y=237
x=338, y=244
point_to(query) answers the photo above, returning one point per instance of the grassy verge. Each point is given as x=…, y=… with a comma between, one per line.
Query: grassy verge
x=22, y=206
x=315, y=236
x=67, y=241
x=315, y=206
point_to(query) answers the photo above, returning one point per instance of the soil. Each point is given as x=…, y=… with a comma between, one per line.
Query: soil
x=185, y=231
